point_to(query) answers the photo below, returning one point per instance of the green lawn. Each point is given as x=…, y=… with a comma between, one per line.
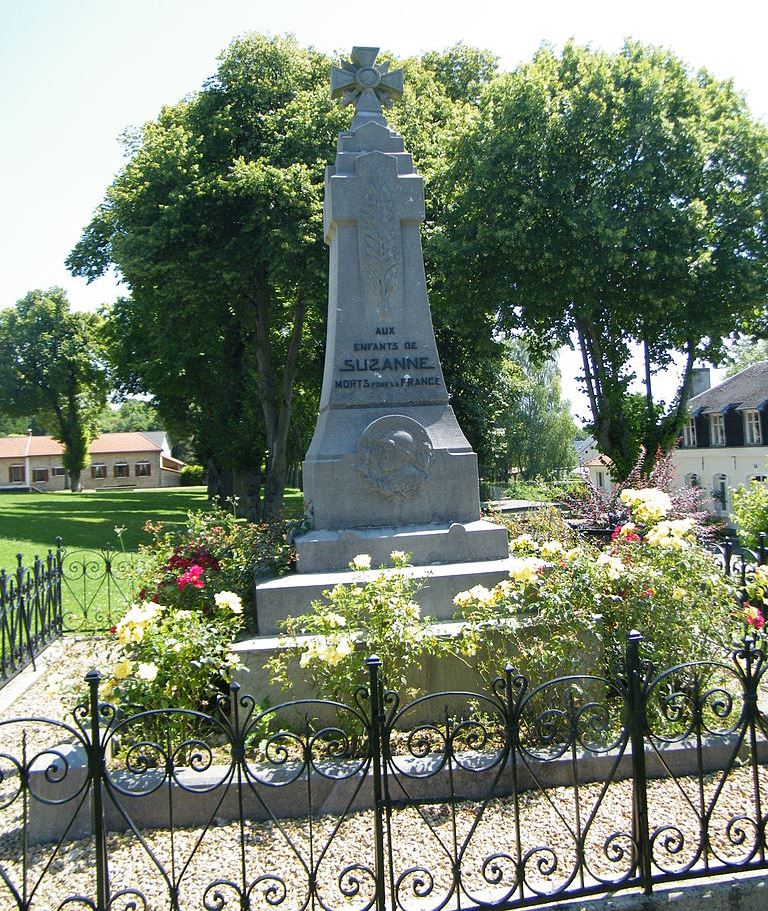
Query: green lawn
x=30, y=522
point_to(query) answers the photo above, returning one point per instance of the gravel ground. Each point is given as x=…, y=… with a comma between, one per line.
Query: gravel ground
x=277, y=855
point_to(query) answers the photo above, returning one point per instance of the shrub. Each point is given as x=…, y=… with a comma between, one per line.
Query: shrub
x=376, y=615
x=172, y=647
x=543, y=524
x=214, y=552
x=167, y=655
x=750, y=512
x=662, y=583
x=192, y=475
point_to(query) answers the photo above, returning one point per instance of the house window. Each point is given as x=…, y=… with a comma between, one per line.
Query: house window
x=720, y=492
x=689, y=433
x=752, y=433
x=59, y=471
x=99, y=471
x=16, y=474
x=692, y=480
x=40, y=474
x=121, y=470
x=600, y=480
x=717, y=424
x=143, y=469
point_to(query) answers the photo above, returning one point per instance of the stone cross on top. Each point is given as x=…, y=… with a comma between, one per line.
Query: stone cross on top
x=358, y=81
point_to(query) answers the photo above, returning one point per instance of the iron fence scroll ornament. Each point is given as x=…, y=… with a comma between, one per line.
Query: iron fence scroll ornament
x=454, y=776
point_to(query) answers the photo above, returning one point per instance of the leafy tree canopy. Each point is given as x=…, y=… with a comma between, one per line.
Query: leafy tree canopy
x=617, y=200
x=744, y=352
x=534, y=431
x=129, y=416
x=215, y=225
x=52, y=365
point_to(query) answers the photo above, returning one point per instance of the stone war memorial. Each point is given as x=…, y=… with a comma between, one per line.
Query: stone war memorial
x=389, y=468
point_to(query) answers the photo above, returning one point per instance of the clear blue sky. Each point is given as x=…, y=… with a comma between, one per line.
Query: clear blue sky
x=75, y=73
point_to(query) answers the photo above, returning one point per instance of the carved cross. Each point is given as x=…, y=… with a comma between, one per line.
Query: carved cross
x=358, y=81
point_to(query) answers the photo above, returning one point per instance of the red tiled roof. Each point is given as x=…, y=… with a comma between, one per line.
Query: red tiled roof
x=19, y=447
x=123, y=442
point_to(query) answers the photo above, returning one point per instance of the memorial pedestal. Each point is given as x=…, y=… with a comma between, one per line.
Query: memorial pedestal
x=389, y=468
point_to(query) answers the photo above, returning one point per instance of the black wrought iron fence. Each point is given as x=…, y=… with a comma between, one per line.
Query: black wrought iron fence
x=502, y=798
x=30, y=612
x=67, y=591
x=95, y=587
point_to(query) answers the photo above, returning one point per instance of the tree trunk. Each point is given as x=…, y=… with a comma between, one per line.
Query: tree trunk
x=74, y=480
x=247, y=487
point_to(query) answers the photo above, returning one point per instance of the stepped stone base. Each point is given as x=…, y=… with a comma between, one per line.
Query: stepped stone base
x=288, y=596
x=328, y=550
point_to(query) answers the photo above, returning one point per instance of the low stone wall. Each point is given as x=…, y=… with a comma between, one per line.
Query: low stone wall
x=195, y=798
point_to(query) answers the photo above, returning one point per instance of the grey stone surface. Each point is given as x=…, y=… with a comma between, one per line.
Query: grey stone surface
x=333, y=550
x=291, y=595
x=387, y=450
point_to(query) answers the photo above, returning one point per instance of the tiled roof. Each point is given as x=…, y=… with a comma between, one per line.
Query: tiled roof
x=123, y=442
x=746, y=390
x=20, y=447
x=106, y=443
x=601, y=461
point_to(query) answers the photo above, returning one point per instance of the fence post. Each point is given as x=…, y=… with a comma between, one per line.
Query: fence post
x=24, y=607
x=728, y=545
x=637, y=727
x=96, y=775
x=373, y=663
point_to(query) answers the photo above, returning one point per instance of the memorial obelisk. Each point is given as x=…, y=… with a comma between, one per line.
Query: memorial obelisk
x=388, y=467
x=387, y=453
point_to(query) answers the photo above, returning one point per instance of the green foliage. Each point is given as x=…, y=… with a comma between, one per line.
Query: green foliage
x=543, y=524
x=568, y=609
x=376, y=615
x=540, y=490
x=169, y=656
x=213, y=552
x=534, y=430
x=52, y=364
x=750, y=512
x=191, y=475
x=617, y=199
x=215, y=224
x=129, y=416
x=744, y=352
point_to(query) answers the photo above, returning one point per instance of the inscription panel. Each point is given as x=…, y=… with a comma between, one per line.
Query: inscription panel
x=386, y=364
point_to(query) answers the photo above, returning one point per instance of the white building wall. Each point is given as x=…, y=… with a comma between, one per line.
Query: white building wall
x=716, y=468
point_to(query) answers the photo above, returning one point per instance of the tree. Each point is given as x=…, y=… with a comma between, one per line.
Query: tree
x=129, y=416
x=52, y=364
x=215, y=225
x=620, y=201
x=744, y=352
x=535, y=431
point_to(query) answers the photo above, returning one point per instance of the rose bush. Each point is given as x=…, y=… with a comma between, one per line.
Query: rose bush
x=193, y=587
x=560, y=600
x=377, y=614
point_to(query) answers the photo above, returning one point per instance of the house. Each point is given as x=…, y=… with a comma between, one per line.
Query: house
x=725, y=440
x=599, y=471
x=138, y=459
x=586, y=450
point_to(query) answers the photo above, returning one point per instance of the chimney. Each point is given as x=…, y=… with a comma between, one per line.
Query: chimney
x=700, y=380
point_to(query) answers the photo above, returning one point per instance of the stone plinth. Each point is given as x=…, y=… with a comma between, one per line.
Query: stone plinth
x=289, y=596
x=332, y=550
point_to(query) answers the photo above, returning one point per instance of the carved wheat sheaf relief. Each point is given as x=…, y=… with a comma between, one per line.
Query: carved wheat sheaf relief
x=381, y=255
